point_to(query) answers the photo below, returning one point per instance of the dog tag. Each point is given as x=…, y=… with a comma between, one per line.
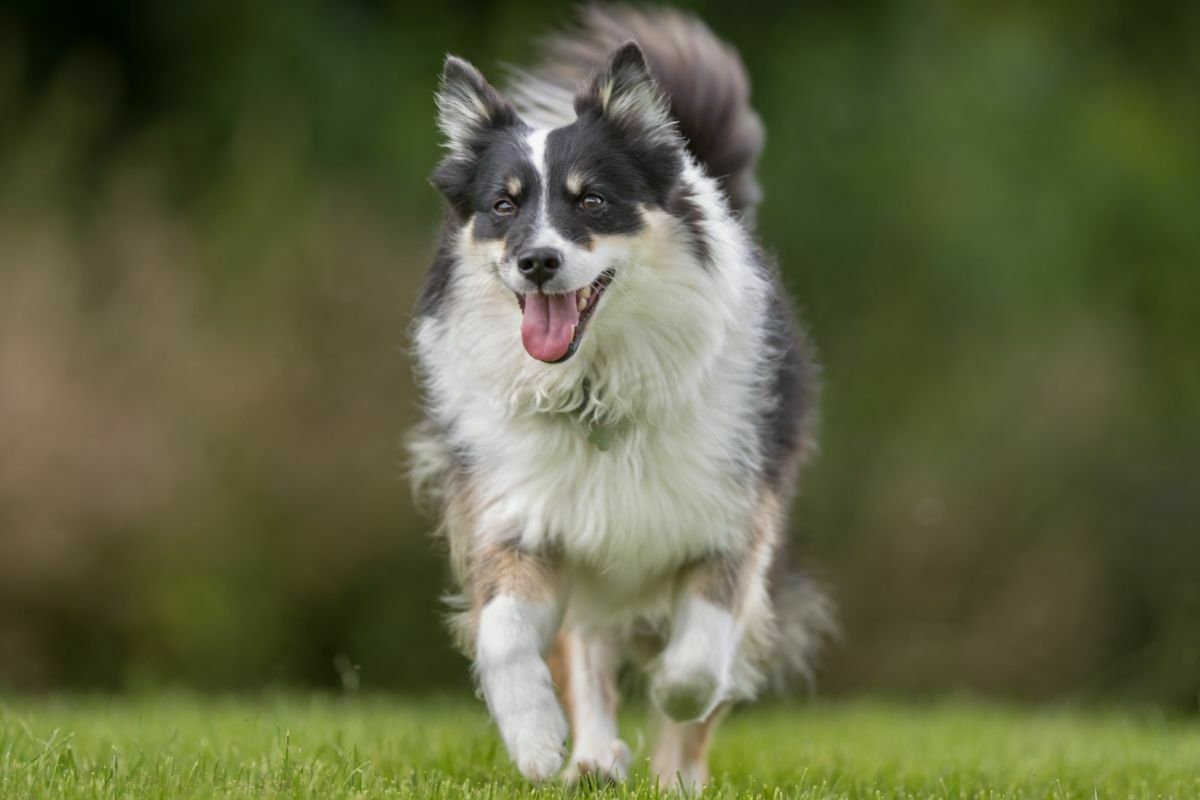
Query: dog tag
x=601, y=437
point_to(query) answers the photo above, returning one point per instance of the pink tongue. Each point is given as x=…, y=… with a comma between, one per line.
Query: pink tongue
x=549, y=325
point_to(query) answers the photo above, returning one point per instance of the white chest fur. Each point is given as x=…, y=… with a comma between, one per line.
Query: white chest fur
x=660, y=495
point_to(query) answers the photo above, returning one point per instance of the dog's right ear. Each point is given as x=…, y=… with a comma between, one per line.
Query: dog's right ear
x=469, y=106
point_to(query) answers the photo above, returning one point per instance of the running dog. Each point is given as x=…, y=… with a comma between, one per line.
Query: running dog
x=617, y=395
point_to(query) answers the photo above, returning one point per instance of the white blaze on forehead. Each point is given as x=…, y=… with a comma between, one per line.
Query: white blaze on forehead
x=544, y=234
x=537, y=152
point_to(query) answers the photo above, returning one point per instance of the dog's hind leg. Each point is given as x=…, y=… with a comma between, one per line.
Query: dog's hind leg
x=680, y=759
x=585, y=667
x=520, y=604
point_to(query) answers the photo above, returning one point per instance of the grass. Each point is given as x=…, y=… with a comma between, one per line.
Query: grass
x=290, y=747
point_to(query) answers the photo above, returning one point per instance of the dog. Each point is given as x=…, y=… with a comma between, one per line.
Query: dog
x=617, y=397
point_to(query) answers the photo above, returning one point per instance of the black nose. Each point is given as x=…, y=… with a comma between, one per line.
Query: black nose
x=539, y=264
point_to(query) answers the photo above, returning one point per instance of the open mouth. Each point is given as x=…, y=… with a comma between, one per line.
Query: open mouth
x=552, y=324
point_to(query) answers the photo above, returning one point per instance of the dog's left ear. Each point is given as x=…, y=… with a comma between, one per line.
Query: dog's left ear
x=626, y=94
x=469, y=106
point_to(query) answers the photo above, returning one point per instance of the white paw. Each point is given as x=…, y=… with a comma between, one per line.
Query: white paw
x=535, y=741
x=687, y=694
x=602, y=763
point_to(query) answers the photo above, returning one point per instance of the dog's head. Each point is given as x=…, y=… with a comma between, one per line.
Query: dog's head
x=560, y=216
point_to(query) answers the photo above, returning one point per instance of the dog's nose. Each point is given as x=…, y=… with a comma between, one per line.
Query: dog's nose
x=539, y=264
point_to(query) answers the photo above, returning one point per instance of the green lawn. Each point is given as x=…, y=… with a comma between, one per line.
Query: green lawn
x=173, y=747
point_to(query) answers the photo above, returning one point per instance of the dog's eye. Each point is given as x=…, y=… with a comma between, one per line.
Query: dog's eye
x=504, y=207
x=591, y=202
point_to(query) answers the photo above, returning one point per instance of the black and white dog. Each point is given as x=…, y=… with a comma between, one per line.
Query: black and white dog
x=617, y=396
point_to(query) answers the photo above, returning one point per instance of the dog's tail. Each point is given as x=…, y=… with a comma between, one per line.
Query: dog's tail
x=805, y=624
x=703, y=76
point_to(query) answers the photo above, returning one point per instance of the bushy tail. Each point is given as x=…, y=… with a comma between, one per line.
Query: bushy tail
x=704, y=77
x=805, y=623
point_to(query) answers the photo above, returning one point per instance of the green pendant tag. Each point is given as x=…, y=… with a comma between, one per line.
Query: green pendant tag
x=601, y=437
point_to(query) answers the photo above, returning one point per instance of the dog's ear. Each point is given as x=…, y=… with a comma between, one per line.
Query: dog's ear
x=469, y=106
x=468, y=109
x=624, y=93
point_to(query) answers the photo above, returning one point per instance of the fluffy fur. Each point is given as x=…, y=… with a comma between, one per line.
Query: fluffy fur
x=612, y=469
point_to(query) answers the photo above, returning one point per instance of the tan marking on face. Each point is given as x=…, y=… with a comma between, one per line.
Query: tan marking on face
x=575, y=183
x=480, y=252
x=660, y=240
x=513, y=186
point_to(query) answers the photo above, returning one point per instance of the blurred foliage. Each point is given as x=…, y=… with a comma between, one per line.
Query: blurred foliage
x=214, y=218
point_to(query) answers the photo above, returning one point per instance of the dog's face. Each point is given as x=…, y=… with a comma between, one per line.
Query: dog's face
x=558, y=216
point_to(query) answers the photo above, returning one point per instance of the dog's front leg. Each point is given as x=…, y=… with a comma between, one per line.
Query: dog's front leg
x=695, y=670
x=520, y=602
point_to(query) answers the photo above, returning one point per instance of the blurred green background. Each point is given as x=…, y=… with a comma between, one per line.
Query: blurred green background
x=214, y=219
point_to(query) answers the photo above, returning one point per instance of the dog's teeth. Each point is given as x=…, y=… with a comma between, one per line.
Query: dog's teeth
x=585, y=293
x=581, y=302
